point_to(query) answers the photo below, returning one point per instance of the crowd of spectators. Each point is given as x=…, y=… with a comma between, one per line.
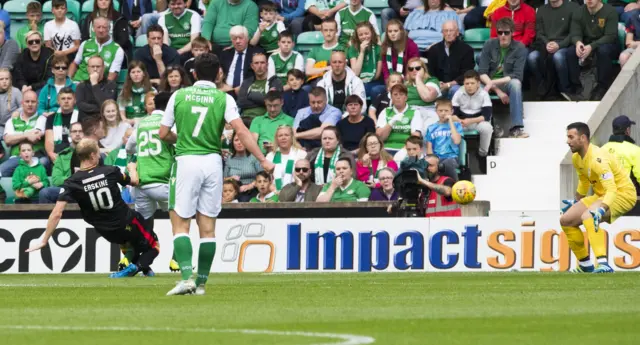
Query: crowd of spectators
x=338, y=122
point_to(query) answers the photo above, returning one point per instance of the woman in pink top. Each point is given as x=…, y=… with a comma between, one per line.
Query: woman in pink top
x=397, y=48
x=371, y=159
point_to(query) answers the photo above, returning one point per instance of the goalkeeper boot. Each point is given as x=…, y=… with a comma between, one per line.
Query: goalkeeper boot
x=183, y=287
x=173, y=266
x=124, y=262
x=129, y=271
x=603, y=268
x=583, y=269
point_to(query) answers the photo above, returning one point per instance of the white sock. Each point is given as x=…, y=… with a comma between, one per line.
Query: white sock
x=603, y=261
x=585, y=263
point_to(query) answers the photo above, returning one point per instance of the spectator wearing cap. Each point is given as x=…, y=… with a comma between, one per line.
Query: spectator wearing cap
x=624, y=148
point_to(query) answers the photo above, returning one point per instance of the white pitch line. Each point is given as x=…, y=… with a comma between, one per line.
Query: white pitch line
x=347, y=339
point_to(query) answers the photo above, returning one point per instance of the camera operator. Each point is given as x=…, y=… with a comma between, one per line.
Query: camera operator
x=439, y=202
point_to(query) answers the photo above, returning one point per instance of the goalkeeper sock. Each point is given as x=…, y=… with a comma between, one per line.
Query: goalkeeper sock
x=205, y=259
x=576, y=242
x=184, y=254
x=596, y=239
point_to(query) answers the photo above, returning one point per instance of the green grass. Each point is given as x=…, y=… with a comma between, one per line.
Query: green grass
x=404, y=308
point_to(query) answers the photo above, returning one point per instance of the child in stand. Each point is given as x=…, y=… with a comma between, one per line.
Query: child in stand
x=199, y=46
x=61, y=33
x=296, y=97
x=263, y=184
x=269, y=29
x=443, y=138
x=29, y=177
x=230, y=190
x=285, y=60
x=412, y=156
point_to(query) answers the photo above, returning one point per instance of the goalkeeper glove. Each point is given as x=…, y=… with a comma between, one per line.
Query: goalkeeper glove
x=568, y=204
x=597, y=216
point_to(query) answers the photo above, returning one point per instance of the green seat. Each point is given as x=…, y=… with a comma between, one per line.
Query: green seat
x=17, y=10
x=15, y=27
x=470, y=133
x=307, y=41
x=6, y=184
x=622, y=35
x=141, y=41
x=376, y=6
x=462, y=155
x=73, y=11
x=476, y=37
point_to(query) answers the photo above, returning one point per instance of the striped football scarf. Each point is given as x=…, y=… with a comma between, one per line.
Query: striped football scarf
x=57, y=125
x=319, y=167
x=399, y=65
x=283, y=173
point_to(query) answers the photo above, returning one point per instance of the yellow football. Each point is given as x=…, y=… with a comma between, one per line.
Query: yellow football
x=463, y=192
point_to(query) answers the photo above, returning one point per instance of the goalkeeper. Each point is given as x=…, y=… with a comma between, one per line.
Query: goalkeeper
x=614, y=195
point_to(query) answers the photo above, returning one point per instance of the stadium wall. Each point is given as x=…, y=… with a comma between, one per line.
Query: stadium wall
x=300, y=244
x=622, y=98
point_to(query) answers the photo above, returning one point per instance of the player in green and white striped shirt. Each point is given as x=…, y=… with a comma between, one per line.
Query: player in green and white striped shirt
x=199, y=113
x=154, y=161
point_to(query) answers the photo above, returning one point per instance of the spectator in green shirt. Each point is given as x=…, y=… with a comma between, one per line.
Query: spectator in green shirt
x=222, y=15
x=263, y=128
x=594, y=33
x=34, y=16
x=343, y=187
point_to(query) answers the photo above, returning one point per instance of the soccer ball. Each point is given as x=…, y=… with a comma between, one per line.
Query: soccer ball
x=463, y=192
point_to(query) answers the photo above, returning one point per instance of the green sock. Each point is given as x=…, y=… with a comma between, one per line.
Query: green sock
x=184, y=254
x=173, y=257
x=205, y=259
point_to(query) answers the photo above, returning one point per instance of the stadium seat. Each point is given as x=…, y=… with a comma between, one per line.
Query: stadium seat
x=15, y=27
x=376, y=6
x=17, y=10
x=622, y=35
x=307, y=40
x=6, y=184
x=141, y=41
x=476, y=37
x=73, y=11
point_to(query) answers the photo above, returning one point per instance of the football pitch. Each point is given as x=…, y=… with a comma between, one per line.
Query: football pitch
x=344, y=308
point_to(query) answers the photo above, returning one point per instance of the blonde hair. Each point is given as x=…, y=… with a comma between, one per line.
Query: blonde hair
x=85, y=148
x=30, y=33
x=10, y=88
x=424, y=68
x=295, y=143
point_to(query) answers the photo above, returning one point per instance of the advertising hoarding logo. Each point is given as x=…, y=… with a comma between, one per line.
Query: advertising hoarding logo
x=240, y=238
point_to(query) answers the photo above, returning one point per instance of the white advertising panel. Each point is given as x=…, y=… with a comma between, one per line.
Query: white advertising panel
x=333, y=245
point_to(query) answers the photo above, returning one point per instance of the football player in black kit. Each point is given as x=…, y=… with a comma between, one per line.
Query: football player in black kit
x=95, y=189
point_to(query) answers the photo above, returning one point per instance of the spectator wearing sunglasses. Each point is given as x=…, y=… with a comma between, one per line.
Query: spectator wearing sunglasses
x=302, y=189
x=524, y=19
x=31, y=71
x=48, y=97
x=501, y=70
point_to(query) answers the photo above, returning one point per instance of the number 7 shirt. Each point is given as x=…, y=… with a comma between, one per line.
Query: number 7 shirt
x=199, y=113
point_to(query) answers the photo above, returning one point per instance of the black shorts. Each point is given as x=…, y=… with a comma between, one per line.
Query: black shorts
x=136, y=233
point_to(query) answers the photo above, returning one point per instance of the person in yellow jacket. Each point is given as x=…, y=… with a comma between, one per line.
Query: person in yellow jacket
x=624, y=148
x=613, y=196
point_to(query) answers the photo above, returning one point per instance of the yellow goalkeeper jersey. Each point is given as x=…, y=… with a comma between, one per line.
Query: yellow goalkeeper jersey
x=602, y=171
